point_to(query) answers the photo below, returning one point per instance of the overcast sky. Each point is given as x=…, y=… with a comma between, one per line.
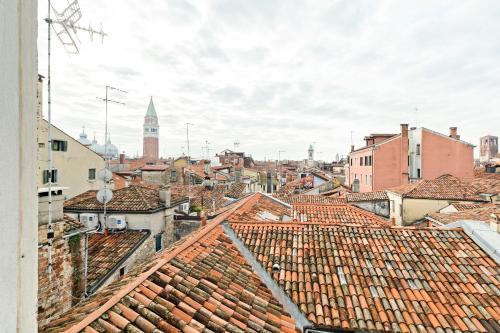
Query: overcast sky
x=279, y=75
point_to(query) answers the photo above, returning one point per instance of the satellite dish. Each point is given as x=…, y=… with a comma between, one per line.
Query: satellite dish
x=105, y=175
x=104, y=195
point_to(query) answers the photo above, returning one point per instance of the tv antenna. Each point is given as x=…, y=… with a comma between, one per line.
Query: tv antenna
x=236, y=144
x=105, y=194
x=207, y=149
x=65, y=26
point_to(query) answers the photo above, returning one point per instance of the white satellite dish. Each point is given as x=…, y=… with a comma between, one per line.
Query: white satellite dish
x=105, y=175
x=104, y=195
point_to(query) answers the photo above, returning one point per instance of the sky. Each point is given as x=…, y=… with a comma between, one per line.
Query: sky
x=277, y=75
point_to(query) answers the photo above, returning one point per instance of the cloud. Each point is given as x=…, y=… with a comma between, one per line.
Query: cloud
x=279, y=75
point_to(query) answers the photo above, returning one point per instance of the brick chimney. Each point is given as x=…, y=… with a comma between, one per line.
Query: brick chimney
x=404, y=153
x=122, y=158
x=203, y=218
x=165, y=195
x=453, y=133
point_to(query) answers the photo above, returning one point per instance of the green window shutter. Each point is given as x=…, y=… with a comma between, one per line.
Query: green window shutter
x=45, y=176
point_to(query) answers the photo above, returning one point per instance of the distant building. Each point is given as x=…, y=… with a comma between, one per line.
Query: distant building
x=74, y=165
x=108, y=150
x=310, y=156
x=488, y=148
x=151, y=133
x=390, y=160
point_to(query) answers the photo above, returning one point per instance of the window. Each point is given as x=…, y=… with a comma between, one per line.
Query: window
x=366, y=179
x=158, y=242
x=418, y=149
x=91, y=174
x=46, y=176
x=41, y=145
x=122, y=271
x=392, y=206
x=59, y=145
x=370, y=160
x=361, y=160
x=418, y=173
x=350, y=161
x=173, y=176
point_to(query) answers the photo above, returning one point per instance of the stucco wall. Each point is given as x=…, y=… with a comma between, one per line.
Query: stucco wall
x=416, y=209
x=441, y=154
x=72, y=165
x=395, y=208
x=357, y=171
x=18, y=204
x=378, y=207
x=387, y=165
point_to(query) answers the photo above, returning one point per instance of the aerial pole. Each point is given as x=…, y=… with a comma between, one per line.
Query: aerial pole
x=189, y=162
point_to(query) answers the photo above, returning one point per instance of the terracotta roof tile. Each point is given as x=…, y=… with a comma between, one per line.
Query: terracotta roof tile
x=388, y=279
x=236, y=190
x=334, y=214
x=71, y=225
x=445, y=187
x=303, y=198
x=131, y=198
x=367, y=196
x=203, y=284
x=477, y=214
x=261, y=207
x=105, y=251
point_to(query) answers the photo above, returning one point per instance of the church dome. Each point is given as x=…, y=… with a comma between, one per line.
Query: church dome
x=83, y=138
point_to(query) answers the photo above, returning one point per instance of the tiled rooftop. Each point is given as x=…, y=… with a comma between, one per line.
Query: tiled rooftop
x=106, y=251
x=445, y=187
x=304, y=198
x=260, y=207
x=381, y=279
x=201, y=285
x=236, y=190
x=367, y=196
x=161, y=167
x=486, y=185
x=133, y=198
x=468, y=205
x=477, y=214
x=71, y=225
x=334, y=214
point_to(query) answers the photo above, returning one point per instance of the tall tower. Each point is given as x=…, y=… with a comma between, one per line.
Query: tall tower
x=150, y=147
x=310, y=155
x=488, y=148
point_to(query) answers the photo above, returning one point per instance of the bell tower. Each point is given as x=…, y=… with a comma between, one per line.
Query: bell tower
x=151, y=133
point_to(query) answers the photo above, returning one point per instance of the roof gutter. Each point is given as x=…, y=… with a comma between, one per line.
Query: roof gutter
x=300, y=319
x=102, y=280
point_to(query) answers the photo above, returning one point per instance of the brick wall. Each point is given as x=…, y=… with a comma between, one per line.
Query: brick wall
x=65, y=286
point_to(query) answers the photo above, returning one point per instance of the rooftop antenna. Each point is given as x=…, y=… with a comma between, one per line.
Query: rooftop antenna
x=189, y=162
x=236, y=144
x=416, y=117
x=105, y=195
x=65, y=26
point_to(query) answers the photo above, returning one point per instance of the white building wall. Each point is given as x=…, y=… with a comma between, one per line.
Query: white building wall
x=18, y=194
x=415, y=139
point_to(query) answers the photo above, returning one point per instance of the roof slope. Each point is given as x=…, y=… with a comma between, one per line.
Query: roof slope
x=106, y=251
x=445, y=187
x=367, y=196
x=236, y=190
x=263, y=208
x=304, y=198
x=133, y=198
x=477, y=214
x=201, y=285
x=385, y=279
x=334, y=214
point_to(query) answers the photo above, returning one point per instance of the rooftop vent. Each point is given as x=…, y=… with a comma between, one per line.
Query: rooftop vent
x=276, y=267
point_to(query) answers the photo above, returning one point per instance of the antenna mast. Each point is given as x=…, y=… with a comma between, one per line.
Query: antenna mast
x=64, y=25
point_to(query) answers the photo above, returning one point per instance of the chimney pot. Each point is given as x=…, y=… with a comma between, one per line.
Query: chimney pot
x=453, y=132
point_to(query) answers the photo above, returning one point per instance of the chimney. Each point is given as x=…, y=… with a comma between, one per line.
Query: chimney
x=453, y=133
x=203, y=218
x=165, y=194
x=352, y=148
x=43, y=206
x=404, y=154
x=122, y=158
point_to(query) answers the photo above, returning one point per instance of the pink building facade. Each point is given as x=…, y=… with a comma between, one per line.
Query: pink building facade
x=390, y=160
